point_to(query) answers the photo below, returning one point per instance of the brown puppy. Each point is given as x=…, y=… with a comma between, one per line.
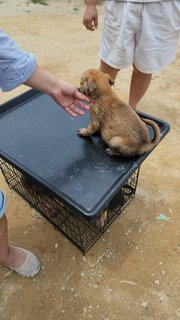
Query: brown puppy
x=119, y=125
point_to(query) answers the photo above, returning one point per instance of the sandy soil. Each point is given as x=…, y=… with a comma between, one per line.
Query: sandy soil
x=139, y=278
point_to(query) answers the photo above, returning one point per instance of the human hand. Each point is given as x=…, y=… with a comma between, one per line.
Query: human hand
x=90, y=18
x=64, y=93
x=70, y=99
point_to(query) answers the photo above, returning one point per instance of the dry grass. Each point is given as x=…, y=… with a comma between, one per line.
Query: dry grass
x=44, y=2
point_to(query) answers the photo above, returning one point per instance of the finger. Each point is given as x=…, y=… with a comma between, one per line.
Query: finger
x=96, y=22
x=76, y=110
x=81, y=96
x=81, y=105
x=85, y=22
x=71, y=112
x=90, y=26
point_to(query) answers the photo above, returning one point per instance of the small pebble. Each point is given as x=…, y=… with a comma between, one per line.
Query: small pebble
x=85, y=310
x=144, y=304
x=161, y=299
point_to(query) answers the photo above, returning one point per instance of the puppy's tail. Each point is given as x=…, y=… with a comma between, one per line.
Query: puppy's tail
x=150, y=145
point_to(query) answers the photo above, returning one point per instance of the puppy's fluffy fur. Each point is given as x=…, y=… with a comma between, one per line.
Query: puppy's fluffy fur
x=119, y=125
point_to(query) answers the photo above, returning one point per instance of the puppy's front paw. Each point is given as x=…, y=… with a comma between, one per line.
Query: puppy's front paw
x=82, y=132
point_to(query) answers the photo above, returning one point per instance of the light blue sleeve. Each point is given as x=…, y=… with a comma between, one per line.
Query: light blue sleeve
x=16, y=65
x=2, y=204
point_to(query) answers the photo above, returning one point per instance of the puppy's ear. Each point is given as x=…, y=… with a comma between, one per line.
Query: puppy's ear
x=111, y=81
x=91, y=84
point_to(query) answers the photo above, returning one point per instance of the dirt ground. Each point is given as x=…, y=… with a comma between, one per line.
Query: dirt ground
x=133, y=271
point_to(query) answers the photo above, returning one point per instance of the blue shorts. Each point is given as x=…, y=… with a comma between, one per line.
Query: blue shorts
x=2, y=204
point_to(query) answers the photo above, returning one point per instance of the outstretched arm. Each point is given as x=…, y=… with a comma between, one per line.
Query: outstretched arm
x=19, y=67
x=65, y=94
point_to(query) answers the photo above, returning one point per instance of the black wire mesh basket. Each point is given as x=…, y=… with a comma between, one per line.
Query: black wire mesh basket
x=81, y=231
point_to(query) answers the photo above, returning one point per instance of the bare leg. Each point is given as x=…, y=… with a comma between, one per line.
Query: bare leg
x=139, y=85
x=139, y=82
x=108, y=69
x=9, y=256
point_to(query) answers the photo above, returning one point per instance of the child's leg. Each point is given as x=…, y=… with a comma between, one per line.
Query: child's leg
x=108, y=69
x=9, y=256
x=22, y=261
x=139, y=84
x=156, y=44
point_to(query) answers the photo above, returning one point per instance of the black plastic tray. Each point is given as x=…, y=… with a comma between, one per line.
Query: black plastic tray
x=40, y=139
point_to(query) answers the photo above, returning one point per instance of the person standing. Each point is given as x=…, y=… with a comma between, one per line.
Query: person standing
x=140, y=33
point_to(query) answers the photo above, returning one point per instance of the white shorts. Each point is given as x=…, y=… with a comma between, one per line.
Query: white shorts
x=145, y=35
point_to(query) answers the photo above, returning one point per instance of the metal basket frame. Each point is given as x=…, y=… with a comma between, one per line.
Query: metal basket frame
x=82, y=232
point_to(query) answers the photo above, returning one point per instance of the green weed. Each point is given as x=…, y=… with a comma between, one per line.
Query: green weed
x=44, y=2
